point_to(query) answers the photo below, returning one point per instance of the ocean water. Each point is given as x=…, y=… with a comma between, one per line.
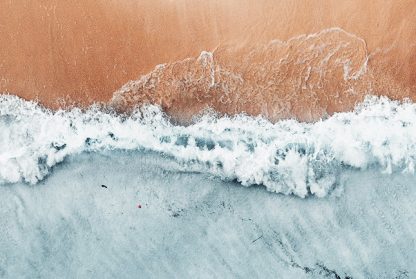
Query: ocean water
x=91, y=194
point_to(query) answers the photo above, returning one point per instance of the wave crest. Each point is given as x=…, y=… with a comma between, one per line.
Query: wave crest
x=287, y=157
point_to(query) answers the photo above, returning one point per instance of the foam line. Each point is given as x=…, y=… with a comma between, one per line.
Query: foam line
x=287, y=157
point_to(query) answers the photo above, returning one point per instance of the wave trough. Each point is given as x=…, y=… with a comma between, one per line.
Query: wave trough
x=287, y=157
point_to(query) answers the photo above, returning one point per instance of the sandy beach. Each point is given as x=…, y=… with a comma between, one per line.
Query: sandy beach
x=83, y=51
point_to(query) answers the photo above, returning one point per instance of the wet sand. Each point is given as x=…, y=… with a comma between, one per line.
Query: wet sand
x=84, y=51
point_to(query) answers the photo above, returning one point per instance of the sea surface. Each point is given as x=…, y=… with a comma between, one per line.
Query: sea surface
x=94, y=194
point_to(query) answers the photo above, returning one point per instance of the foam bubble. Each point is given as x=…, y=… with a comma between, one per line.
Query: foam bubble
x=287, y=157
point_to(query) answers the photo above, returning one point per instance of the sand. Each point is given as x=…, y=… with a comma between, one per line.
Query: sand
x=276, y=58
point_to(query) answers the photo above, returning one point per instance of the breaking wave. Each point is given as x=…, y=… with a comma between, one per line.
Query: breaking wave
x=287, y=157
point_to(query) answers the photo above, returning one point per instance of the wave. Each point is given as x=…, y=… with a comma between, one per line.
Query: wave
x=287, y=157
x=303, y=77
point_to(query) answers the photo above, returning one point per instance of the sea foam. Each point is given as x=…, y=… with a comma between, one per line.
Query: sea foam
x=287, y=157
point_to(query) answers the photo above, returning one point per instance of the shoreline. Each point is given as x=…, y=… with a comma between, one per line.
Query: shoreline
x=85, y=52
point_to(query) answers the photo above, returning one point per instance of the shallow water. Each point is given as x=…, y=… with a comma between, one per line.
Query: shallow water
x=93, y=194
x=192, y=224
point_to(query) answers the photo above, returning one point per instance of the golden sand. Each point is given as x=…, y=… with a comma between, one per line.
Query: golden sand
x=276, y=58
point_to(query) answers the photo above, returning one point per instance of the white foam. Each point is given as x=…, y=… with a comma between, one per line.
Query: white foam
x=287, y=157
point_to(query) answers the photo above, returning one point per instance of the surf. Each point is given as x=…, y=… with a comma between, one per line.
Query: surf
x=287, y=157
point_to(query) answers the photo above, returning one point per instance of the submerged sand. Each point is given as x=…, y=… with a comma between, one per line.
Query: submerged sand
x=276, y=58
